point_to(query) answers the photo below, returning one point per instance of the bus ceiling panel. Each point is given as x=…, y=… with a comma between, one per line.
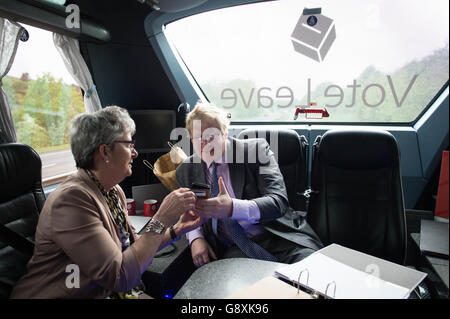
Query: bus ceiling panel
x=52, y=18
x=173, y=5
x=157, y=19
x=432, y=134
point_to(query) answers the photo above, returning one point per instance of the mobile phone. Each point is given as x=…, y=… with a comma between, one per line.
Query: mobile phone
x=202, y=191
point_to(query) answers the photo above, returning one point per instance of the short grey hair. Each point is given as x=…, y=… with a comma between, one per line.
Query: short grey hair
x=90, y=130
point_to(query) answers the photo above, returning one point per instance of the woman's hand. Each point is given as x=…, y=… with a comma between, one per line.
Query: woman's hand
x=174, y=205
x=201, y=252
x=187, y=222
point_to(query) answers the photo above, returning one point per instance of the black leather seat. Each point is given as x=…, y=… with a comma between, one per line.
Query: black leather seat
x=21, y=200
x=291, y=154
x=359, y=203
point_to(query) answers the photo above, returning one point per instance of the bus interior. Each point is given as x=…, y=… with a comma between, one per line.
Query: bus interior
x=363, y=67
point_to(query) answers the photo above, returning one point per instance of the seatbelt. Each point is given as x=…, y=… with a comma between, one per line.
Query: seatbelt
x=310, y=191
x=316, y=147
x=301, y=198
x=16, y=240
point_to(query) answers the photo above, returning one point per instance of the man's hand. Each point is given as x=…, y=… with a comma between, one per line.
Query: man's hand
x=217, y=207
x=201, y=252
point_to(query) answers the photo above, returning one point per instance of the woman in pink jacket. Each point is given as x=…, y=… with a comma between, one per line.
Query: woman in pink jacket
x=85, y=246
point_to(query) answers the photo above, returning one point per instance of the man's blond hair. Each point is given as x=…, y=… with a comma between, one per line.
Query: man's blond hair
x=207, y=113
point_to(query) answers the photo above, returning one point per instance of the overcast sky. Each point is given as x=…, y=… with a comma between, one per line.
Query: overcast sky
x=383, y=33
x=38, y=55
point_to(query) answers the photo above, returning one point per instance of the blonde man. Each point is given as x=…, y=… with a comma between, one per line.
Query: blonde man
x=248, y=203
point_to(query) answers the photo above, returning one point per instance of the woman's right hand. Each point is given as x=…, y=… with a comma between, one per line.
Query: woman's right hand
x=201, y=251
x=174, y=205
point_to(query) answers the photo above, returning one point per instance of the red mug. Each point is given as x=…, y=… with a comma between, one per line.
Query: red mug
x=150, y=207
x=130, y=206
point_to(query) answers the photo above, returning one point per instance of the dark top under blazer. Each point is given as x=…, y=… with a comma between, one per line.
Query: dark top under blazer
x=255, y=175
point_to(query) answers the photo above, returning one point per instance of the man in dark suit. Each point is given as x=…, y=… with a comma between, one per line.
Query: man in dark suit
x=248, y=214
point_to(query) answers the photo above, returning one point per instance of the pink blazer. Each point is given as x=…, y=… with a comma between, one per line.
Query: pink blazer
x=76, y=231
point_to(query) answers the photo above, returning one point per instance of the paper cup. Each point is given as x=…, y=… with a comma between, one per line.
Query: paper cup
x=130, y=206
x=150, y=207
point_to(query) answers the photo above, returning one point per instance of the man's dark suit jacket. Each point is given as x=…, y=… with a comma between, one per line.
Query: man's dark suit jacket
x=255, y=175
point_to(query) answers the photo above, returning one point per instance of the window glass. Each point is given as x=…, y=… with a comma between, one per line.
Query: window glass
x=387, y=61
x=44, y=99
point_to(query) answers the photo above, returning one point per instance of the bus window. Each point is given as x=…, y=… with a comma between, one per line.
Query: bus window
x=387, y=62
x=44, y=99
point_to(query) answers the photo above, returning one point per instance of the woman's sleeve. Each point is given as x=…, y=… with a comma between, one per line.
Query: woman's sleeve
x=80, y=233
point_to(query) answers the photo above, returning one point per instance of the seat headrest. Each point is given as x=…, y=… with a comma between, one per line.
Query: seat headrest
x=376, y=149
x=284, y=143
x=20, y=169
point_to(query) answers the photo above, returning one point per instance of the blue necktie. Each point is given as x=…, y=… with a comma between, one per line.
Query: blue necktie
x=214, y=181
x=214, y=191
x=237, y=233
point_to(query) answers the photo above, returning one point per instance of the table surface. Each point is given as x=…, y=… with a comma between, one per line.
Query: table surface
x=440, y=265
x=222, y=278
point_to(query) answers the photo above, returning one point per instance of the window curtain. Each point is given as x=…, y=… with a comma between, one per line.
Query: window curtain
x=9, y=39
x=69, y=49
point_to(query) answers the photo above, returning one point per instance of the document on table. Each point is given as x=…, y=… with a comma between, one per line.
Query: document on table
x=352, y=275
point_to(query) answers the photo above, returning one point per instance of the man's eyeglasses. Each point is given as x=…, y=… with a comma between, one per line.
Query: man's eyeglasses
x=206, y=138
x=130, y=143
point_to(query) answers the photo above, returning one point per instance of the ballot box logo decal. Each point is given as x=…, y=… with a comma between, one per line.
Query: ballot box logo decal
x=314, y=34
